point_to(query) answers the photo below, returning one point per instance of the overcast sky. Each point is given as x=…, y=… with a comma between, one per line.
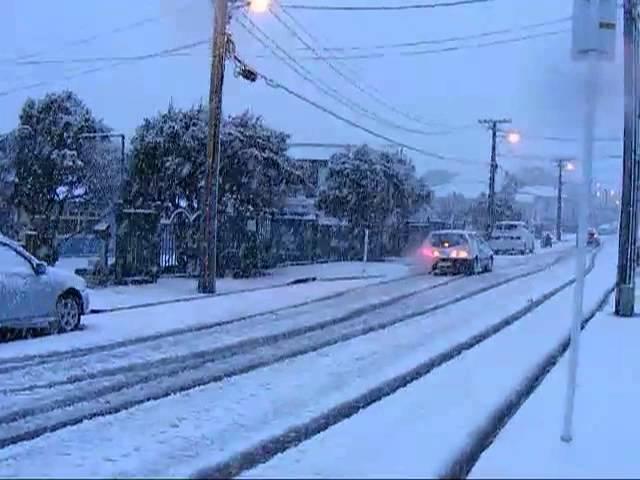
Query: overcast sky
x=533, y=82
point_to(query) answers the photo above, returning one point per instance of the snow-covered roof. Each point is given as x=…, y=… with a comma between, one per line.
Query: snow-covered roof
x=314, y=151
x=525, y=198
x=544, y=191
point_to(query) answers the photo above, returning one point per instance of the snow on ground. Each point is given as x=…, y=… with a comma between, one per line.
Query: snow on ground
x=418, y=431
x=606, y=413
x=176, y=435
x=111, y=327
x=174, y=288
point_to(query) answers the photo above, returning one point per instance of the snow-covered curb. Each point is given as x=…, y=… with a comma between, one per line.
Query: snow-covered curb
x=193, y=298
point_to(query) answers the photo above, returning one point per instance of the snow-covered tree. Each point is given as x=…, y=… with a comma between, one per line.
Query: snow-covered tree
x=367, y=187
x=169, y=154
x=49, y=169
x=255, y=168
x=504, y=210
x=509, y=188
x=7, y=177
x=452, y=208
x=168, y=157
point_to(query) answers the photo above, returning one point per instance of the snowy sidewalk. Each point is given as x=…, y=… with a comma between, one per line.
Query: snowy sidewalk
x=169, y=289
x=606, y=417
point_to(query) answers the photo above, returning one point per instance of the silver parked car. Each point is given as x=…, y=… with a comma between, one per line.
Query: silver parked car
x=33, y=295
x=455, y=251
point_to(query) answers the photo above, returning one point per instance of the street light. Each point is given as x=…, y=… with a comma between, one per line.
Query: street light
x=259, y=6
x=570, y=167
x=513, y=137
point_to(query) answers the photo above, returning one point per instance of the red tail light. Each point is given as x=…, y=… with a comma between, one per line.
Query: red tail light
x=429, y=252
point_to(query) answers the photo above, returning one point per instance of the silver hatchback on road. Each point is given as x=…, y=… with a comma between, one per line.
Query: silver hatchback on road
x=33, y=295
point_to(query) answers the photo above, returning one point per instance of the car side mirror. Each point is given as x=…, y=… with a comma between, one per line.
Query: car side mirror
x=40, y=268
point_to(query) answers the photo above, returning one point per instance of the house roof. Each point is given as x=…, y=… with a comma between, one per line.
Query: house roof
x=544, y=191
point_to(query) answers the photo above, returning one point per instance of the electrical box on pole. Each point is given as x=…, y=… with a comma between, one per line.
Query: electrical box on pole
x=594, y=29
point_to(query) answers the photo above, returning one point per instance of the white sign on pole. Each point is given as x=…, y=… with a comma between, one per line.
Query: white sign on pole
x=594, y=29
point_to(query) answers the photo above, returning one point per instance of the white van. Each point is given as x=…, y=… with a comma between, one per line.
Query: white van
x=512, y=237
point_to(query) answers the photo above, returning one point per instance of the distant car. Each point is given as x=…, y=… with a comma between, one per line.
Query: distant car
x=593, y=240
x=608, y=229
x=512, y=237
x=455, y=251
x=33, y=295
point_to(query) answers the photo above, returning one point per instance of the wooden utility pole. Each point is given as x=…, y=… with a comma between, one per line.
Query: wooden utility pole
x=493, y=169
x=209, y=200
x=562, y=163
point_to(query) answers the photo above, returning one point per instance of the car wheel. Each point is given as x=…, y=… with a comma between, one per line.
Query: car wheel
x=487, y=266
x=68, y=314
x=474, y=267
x=490, y=267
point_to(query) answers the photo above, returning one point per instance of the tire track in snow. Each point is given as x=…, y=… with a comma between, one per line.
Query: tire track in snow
x=294, y=436
x=11, y=364
x=31, y=422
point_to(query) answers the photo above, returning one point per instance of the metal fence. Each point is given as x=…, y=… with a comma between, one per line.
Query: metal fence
x=280, y=240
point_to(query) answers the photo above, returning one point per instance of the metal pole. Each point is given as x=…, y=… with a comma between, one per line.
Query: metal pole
x=209, y=238
x=559, y=206
x=625, y=282
x=583, y=214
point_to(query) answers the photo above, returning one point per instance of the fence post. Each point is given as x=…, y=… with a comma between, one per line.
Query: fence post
x=366, y=250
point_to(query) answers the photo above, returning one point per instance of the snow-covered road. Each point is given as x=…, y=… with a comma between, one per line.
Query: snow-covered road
x=310, y=384
x=423, y=429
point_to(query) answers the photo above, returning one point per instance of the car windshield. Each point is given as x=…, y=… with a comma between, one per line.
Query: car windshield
x=447, y=239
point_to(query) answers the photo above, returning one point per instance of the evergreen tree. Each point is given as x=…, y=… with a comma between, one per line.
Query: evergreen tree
x=50, y=170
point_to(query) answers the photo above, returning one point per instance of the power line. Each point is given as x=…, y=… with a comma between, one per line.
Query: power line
x=354, y=82
x=149, y=56
x=569, y=139
x=439, y=41
x=91, y=38
x=454, y=48
x=84, y=60
x=321, y=85
x=416, y=6
x=269, y=81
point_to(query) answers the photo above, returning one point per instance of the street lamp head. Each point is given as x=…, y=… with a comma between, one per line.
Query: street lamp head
x=513, y=137
x=570, y=166
x=259, y=6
